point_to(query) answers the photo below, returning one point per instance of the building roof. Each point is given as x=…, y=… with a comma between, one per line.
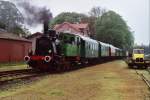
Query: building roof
x=11, y=36
x=77, y=26
x=85, y=25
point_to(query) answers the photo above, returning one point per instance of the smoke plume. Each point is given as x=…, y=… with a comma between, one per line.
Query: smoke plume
x=33, y=14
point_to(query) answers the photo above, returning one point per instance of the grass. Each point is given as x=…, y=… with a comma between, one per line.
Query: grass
x=56, y=92
x=110, y=81
x=12, y=66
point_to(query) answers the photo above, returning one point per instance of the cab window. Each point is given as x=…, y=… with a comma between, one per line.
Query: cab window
x=138, y=51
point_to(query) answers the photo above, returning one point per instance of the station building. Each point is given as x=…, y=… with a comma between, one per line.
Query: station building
x=13, y=48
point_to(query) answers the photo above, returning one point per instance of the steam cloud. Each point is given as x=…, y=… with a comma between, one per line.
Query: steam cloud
x=34, y=15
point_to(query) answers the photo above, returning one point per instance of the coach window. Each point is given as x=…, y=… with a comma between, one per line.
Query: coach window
x=89, y=46
x=72, y=40
x=66, y=40
x=93, y=47
x=76, y=40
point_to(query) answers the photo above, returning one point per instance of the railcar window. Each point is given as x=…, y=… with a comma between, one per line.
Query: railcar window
x=138, y=51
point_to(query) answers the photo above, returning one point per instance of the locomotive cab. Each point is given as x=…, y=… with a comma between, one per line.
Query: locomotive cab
x=137, y=58
x=43, y=47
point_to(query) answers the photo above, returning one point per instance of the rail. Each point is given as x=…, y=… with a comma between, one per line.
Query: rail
x=19, y=76
x=144, y=78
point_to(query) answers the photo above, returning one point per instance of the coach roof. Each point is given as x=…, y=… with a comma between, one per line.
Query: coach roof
x=87, y=39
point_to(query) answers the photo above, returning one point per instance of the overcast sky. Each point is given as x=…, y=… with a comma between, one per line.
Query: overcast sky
x=134, y=12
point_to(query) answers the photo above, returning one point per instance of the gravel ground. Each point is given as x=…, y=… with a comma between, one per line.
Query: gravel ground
x=109, y=81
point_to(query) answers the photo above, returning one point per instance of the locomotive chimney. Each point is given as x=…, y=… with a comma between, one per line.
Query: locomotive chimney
x=46, y=23
x=47, y=31
x=46, y=18
x=45, y=26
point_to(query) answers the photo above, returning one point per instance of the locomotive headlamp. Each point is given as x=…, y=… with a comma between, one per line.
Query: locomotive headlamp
x=27, y=58
x=47, y=58
x=130, y=61
x=49, y=51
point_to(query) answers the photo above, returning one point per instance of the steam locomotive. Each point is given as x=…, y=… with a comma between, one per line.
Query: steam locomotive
x=59, y=51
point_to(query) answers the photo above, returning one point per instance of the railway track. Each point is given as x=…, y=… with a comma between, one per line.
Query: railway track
x=148, y=70
x=144, y=76
x=15, y=72
x=16, y=76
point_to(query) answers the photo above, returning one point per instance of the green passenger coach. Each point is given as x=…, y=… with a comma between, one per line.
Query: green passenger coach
x=104, y=49
x=89, y=48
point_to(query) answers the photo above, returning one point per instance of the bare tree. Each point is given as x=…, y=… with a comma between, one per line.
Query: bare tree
x=97, y=11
